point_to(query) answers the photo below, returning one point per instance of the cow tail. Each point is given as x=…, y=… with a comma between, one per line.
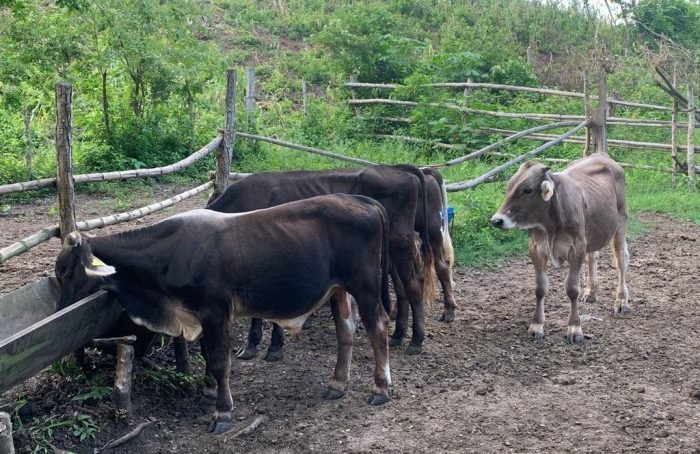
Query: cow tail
x=428, y=261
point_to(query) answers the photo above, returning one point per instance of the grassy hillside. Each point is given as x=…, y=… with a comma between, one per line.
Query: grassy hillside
x=148, y=78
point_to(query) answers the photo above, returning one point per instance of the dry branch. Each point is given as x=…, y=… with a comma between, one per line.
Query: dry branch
x=118, y=175
x=545, y=91
x=248, y=429
x=496, y=170
x=294, y=146
x=126, y=438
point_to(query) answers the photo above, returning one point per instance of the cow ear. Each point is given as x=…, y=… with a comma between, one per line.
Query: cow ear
x=547, y=187
x=98, y=268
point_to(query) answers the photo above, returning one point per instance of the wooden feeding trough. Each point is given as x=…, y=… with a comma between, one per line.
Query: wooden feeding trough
x=33, y=335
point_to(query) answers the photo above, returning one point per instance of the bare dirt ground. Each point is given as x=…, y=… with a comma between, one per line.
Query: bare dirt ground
x=481, y=385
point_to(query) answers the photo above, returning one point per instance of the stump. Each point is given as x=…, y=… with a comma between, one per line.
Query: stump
x=6, y=444
x=122, y=380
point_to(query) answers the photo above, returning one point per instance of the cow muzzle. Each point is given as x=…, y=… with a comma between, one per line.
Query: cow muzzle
x=501, y=221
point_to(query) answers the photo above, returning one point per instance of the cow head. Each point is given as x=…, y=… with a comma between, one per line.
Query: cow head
x=78, y=271
x=527, y=196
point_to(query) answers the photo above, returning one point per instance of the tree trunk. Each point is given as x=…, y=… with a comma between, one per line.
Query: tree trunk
x=28, y=141
x=105, y=105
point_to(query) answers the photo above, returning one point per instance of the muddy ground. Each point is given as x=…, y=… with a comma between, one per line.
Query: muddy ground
x=481, y=385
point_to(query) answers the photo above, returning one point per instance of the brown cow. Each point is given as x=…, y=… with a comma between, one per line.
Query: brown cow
x=570, y=215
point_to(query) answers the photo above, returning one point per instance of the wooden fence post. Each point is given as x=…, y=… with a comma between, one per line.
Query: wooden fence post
x=224, y=152
x=674, y=131
x=602, y=136
x=353, y=95
x=122, y=380
x=304, y=98
x=64, y=163
x=250, y=96
x=692, y=183
x=587, y=114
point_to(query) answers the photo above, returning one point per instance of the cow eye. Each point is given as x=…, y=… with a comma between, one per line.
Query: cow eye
x=527, y=190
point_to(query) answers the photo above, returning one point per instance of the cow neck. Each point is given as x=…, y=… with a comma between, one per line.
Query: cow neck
x=120, y=248
x=555, y=221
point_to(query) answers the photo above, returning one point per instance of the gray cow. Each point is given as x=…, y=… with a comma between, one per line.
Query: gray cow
x=569, y=216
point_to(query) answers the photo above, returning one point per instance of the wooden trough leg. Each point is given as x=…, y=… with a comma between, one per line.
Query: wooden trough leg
x=122, y=380
x=6, y=444
x=182, y=357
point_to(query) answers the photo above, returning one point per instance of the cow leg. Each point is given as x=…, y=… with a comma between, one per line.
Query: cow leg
x=443, y=269
x=402, y=305
x=217, y=344
x=345, y=332
x=591, y=285
x=621, y=258
x=275, y=352
x=574, y=334
x=401, y=298
x=250, y=350
x=376, y=322
x=539, y=260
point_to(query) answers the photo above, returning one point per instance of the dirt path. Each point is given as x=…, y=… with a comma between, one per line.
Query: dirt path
x=482, y=385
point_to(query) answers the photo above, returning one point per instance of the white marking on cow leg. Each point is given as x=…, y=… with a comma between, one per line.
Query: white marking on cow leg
x=536, y=329
x=621, y=260
x=341, y=307
x=539, y=261
x=589, y=294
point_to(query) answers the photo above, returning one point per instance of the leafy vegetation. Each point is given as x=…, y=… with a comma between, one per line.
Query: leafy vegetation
x=148, y=83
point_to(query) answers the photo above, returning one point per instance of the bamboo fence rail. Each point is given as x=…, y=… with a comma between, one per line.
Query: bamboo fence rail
x=545, y=91
x=117, y=175
x=496, y=170
x=581, y=140
x=46, y=234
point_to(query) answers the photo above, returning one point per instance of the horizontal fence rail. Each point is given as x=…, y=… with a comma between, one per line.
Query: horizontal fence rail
x=117, y=175
x=545, y=91
x=46, y=234
x=498, y=169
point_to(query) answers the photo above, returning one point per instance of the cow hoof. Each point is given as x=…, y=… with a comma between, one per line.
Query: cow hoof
x=448, y=316
x=574, y=339
x=378, y=399
x=273, y=356
x=414, y=349
x=395, y=341
x=537, y=335
x=247, y=352
x=621, y=311
x=220, y=426
x=333, y=394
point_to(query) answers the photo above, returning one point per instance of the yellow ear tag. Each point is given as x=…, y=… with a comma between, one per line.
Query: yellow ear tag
x=97, y=262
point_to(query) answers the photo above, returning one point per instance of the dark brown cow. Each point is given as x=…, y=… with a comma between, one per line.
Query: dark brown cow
x=570, y=215
x=399, y=188
x=191, y=274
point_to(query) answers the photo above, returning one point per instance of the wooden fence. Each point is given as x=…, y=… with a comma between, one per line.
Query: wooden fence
x=594, y=121
x=597, y=120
